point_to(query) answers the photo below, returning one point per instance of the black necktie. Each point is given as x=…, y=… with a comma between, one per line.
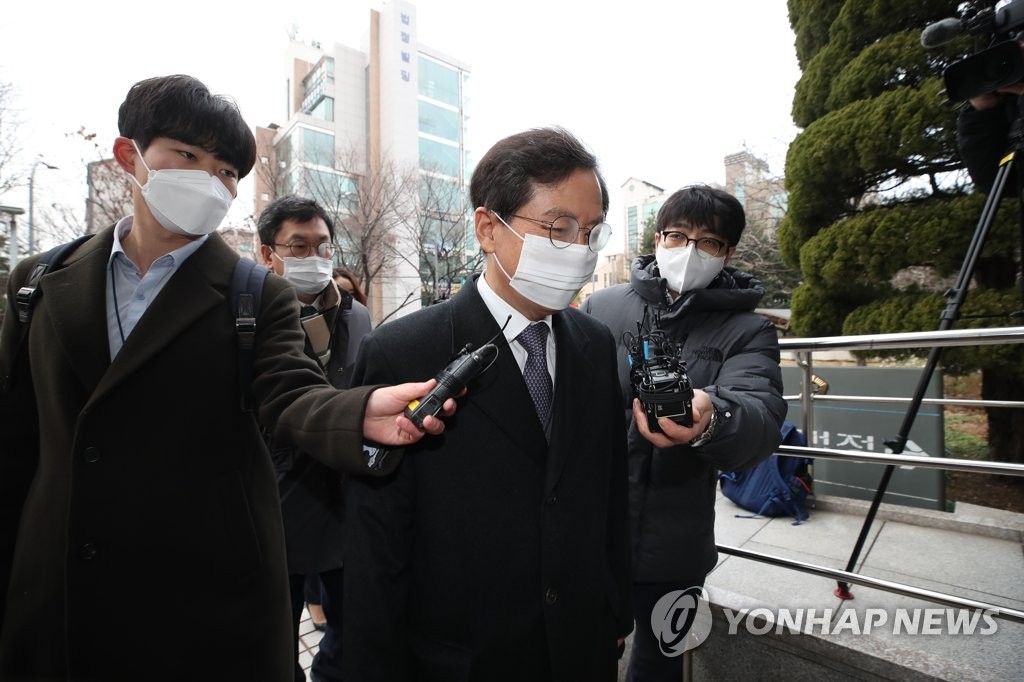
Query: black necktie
x=535, y=340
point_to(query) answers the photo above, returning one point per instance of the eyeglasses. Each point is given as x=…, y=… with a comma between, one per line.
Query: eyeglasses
x=710, y=246
x=304, y=250
x=565, y=230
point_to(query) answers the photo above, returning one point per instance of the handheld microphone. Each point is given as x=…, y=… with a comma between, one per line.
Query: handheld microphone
x=941, y=32
x=453, y=378
x=450, y=381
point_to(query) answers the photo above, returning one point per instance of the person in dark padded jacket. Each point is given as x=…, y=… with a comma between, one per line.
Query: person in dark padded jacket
x=732, y=359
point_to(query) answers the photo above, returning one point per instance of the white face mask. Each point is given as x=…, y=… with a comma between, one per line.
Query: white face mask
x=549, y=276
x=688, y=268
x=188, y=202
x=310, y=275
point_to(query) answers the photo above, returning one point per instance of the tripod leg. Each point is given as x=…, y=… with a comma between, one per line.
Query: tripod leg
x=956, y=297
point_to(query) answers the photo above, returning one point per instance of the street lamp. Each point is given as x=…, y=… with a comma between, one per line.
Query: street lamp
x=31, y=205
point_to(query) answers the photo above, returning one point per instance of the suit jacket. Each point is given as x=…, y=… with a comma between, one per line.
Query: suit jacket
x=139, y=482
x=492, y=555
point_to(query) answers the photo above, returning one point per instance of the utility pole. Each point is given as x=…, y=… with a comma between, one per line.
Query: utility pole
x=31, y=205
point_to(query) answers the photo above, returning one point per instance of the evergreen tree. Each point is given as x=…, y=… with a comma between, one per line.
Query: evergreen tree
x=880, y=211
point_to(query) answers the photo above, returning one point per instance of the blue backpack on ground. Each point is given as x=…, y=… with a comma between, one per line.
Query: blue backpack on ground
x=778, y=486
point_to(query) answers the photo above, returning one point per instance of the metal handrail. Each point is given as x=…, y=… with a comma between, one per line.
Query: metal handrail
x=877, y=583
x=988, y=336
x=975, y=466
x=957, y=337
x=962, y=402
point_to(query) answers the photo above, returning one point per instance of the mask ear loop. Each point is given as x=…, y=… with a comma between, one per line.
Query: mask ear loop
x=522, y=239
x=144, y=165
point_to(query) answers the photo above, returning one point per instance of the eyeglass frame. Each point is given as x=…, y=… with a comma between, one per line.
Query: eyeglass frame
x=549, y=225
x=687, y=240
x=310, y=249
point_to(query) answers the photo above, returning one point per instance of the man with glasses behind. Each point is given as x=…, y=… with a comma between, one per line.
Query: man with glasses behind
x=732, y=359
x=501, y=551
x=297, y=242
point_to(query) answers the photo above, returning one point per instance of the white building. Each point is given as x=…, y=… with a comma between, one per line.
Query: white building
x=393, y=111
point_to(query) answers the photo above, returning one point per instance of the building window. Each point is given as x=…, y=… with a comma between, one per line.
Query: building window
x=324, y=109
x=438, y=157
x=438, y=81
x=336, y=192
x=317, y=147
x=314, y=83
x=439, y=122
x=631, y=228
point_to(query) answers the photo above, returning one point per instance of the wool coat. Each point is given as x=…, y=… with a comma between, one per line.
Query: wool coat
x=491, y=554
x=140, y=523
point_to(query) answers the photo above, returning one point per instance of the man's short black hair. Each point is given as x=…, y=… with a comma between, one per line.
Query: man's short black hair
x=507, y=175
x=704, y=206
x=289, y=207
x=182, y=108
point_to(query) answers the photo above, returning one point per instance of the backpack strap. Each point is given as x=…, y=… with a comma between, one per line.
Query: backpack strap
x=246, y=287
x=26, y=296
x=28, y=293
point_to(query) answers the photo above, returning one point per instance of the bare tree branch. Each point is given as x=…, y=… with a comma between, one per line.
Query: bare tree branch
x=10, y=122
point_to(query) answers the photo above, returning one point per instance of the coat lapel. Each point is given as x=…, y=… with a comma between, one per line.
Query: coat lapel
x=573, y=386
x=500, y=392
x=198, y=285
x=75, y=299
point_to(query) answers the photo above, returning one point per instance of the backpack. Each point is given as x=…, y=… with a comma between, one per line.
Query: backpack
x=778, y=486
x=246, y=287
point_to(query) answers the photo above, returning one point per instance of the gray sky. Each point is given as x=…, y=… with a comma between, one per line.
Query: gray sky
x=660, y=90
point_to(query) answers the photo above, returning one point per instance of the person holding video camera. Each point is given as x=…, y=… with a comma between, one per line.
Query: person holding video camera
x=984, y=124
x=732, y=359
x=983, y=133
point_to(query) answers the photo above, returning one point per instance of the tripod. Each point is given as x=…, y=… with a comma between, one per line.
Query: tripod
x=955, y=298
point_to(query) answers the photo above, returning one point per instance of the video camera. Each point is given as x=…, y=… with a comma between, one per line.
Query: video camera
x=657, y=374
x=988, y=70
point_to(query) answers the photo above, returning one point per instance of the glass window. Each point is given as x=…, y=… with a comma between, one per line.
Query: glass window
x=438, y=81
x=435, y=120
x=317, y=147
x=324, y=109
x=284, y=151
x=439, y=157
x=631, y=227
x=334, y=191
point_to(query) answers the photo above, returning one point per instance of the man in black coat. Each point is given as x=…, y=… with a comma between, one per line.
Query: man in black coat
x=500, y=551
x=297, y=242
x=128, y=469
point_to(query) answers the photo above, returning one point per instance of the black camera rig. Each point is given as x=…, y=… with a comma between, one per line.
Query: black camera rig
x=1001, y=64
x=657, y=374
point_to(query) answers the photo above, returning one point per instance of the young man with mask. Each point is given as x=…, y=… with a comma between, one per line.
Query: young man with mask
x=130, y=476
x=500, y=552
x=297, y=242
x=732, y=359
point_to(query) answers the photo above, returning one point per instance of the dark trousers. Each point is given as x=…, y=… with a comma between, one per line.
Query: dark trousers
x=327, y=662
x=646, y=662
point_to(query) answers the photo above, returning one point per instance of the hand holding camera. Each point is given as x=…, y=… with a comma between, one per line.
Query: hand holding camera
x=658, y=376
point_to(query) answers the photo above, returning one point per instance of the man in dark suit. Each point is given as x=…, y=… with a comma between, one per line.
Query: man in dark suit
x=297, y=242
x=500, y=551
x=129, y=474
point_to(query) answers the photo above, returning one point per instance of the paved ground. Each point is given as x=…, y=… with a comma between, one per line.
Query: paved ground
x=309, y=639
x=974, y=553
